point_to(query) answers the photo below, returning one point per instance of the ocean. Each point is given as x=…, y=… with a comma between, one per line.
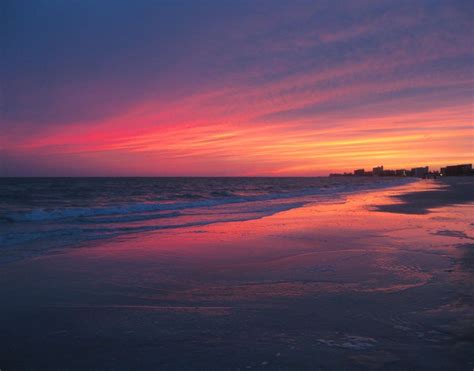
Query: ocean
x=38, y=215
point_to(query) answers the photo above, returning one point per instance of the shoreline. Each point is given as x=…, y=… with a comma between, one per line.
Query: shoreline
x=20, y=244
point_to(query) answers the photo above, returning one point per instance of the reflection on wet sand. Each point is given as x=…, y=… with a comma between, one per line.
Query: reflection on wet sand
x=352, y=284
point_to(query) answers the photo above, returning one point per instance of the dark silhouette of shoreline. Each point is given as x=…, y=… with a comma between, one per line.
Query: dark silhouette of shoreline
x=456, y=190
x=417, y=172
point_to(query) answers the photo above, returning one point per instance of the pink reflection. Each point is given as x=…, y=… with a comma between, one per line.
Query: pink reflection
x=343, y=246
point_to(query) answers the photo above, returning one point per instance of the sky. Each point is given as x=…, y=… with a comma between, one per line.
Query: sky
x=234, y=88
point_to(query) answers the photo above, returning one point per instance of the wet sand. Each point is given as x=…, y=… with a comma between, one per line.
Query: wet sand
x=380, y=280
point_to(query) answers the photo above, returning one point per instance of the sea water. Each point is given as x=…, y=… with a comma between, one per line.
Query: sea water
x=43, y=214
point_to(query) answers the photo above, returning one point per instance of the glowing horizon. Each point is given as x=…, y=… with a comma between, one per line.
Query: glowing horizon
x=243, y=89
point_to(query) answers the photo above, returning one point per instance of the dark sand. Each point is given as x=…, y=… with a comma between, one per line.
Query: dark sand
x=451, y=191
x=350, y=285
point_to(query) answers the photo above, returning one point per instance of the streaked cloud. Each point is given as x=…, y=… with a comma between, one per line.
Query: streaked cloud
x=243, y=88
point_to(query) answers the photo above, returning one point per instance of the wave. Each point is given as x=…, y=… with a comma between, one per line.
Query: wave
x=82, y=212
x=122, y=211
x=64, y=236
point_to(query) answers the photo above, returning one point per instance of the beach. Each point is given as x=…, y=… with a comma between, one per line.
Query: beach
x=378, y=278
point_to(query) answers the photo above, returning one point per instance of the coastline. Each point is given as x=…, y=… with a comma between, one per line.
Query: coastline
x=364, y=282
x=26, y=232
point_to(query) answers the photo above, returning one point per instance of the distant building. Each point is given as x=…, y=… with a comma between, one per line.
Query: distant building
x=388, y=173
x=457, y=170
x=420, y=172
x=338, y=174
x=377, y=171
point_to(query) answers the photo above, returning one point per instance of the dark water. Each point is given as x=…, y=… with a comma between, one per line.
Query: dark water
x=37, y=214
